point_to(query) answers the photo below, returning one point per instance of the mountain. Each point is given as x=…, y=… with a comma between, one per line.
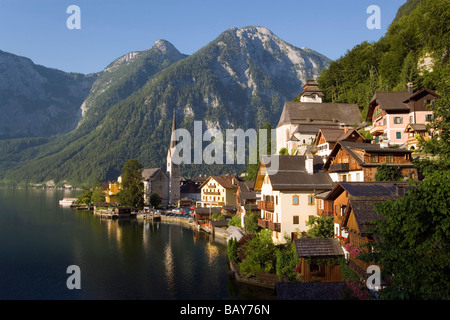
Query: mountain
x=38, y=101
x=416, y=49
x=239, y=80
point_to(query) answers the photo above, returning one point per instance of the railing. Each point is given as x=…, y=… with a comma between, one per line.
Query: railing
x=339, y=167
x=263, y=223
x=216, y=193
x=264, y=205
x=274, y=226
x=267, y=224
x=377, y=130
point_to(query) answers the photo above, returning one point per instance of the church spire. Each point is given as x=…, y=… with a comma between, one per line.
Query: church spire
x=172, y=134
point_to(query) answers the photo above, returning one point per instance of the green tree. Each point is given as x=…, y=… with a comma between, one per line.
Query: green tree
x=260, y=254
x=132, y=187
x=320, y=227
x=251, y=223
x=155, y=199
x=85, y=197
x=286, y=261
x=98, y=195
x=388, y=173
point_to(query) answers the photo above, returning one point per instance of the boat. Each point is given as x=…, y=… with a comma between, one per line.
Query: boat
x=67, y=201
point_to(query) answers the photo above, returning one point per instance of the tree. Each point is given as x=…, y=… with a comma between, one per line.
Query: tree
x=85, y=197
x=260, y=254
x=388, y=173
x=97, y=193
x=320, y=227
x=251, y=223
x=132, y=187
x=155, y=199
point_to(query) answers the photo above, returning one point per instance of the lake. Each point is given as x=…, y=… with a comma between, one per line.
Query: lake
x=118, y=259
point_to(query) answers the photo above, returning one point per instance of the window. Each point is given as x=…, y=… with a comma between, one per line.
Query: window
x=321, y=204
x=374, y=158
x=310, y=200
x=276, y=200
x=384, y=122
x=295, y=200
x=398, y=120
x=429, y=117
x=358, y=176
x=398, y=135
x=389, y=158
x=295, y=220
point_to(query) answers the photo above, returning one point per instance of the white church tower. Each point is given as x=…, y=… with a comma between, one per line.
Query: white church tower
x=173, y=170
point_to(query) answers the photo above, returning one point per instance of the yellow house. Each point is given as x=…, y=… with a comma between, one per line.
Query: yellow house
x=111, y=193
x=218, y=191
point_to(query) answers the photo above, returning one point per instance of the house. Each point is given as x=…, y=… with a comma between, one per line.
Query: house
x=218, y=191
x=202, y=216
x=391, y=112
x=155, y=181
x=337, y=199
x=355, y=161
x=319, y=259
x=111, y=192
x=301, y=121
x=190, y=190
x=288, y=194
x=327, y=137
x=415, y=132
x=245, y=199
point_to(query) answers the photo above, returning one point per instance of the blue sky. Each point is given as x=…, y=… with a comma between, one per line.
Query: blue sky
x=110, y=28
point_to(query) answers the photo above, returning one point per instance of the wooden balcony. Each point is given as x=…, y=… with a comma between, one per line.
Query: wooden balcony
x=266, y=224
x=214, y=193
x=377, y=130
x=263, y=223
x=274, y=226
x=339, y=167
x=265, y=205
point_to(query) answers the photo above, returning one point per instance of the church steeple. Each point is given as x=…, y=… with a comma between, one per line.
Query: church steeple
x=172, y=134
x=173, y=170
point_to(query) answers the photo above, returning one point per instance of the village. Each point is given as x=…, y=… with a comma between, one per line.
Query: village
x=327, y=167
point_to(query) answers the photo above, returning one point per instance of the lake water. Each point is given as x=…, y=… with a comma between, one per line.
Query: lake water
x=118, y=259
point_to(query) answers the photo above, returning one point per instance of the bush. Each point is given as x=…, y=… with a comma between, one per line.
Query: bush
x=232, y=247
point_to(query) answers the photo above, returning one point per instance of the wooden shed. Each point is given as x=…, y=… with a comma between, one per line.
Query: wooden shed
x=319, y=259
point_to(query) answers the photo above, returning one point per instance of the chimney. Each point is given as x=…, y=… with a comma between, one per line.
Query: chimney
x=309, y=164
x=410, y=88
x=384, y=144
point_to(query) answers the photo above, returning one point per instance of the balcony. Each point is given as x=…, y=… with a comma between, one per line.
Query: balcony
x=213, y=193
x=377, y=130
x=266, y=224
x=263, y=223
x=339, y=167
x=266, y=205
x=274, y=226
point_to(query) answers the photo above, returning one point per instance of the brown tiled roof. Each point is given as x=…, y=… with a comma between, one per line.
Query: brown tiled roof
x=364, y=212
x=225, y=181
x=149, y=173
x=246, y=190
x=292, y=174
x=318, y=247
x=320, y=113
